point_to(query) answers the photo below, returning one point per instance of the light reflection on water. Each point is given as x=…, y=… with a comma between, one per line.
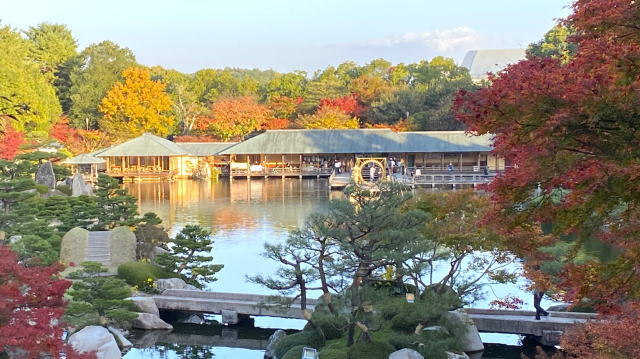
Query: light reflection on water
x=243, y=216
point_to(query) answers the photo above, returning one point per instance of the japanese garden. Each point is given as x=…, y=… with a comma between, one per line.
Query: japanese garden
x=367, y=210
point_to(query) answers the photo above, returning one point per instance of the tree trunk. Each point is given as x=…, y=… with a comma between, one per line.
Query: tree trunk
x=326, y=295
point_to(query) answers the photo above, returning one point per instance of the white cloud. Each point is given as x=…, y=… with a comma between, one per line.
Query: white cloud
x=440, y=40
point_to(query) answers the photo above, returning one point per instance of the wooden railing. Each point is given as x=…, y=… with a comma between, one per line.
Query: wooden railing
x=282, y=171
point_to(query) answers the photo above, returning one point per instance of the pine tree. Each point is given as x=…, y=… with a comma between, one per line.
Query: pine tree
x=115, y=206
x=188, y=256
x=99, y=299
x=149, y=235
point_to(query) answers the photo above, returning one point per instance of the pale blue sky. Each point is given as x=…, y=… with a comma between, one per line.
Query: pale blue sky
x=286, y=35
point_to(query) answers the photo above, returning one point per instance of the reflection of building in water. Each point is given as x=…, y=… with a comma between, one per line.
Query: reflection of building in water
x=228, y=205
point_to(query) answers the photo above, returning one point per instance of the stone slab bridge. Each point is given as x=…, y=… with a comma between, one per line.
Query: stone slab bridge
x=548, y=330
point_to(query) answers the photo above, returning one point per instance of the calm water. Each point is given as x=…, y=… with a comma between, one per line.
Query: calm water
x=243, y=216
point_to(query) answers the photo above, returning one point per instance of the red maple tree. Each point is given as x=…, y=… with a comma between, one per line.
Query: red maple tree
x=10, y=141
x=31, y=307
x=572, y=128
x=347, y=104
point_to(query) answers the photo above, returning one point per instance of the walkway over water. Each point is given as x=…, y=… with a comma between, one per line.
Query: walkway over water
x=487, y=320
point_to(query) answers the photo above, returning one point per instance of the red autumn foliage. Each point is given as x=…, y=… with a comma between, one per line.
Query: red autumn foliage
x=234, y=118
x=10, y=141
x=347, y=104
x=610, y=337
x=31, y=307
x=79, y=140
x=573, y=128
x=509, y=302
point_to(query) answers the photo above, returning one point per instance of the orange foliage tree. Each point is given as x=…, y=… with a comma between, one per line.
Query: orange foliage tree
x=328, y=117
x=234, y=118
x=136, y=105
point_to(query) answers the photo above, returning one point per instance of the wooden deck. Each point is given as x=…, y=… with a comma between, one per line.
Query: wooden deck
x=281, y=172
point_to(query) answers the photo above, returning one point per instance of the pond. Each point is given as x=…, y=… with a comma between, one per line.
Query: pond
x=245, y=214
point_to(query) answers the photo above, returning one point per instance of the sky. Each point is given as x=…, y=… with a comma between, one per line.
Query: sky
x=287, y=35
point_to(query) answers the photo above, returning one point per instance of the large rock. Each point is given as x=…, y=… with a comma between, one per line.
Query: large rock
x=73, y=248
x=150, y=321
x=45, y=175
x=405, y=354
x=123, y=246
x=170, y=283
x=79, y=187
x=451, y=355
x=96, y=339
x=470, y=342
x=119, y=335
x=146, y=305
x=270, y=351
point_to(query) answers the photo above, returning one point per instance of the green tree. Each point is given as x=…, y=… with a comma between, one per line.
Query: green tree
x=326, y=84
x=115, y=206
x=291, y=85
x=97, y=299
x=51, y=46
x=189, y=256
x=149, y=235
x=99, y=67
x=555, y=44
x=34, y=250
x=35, y=106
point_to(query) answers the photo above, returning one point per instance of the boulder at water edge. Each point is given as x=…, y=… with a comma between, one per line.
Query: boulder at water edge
x=45, y=175
x=150, y=321
x=405, y=354
x=119, y=335
x=270, y=351
x=451, y=355
x=470, y=342
x=95, y=339
x=170, y=283
x=146, y=305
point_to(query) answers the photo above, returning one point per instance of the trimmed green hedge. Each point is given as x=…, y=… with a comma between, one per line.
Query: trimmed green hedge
x=332, y=326
x=42, y=189
x=333, y=354
x=306, y=338
x=373, y=350
x=64, y=189
x=294, y=353
x=137, y=273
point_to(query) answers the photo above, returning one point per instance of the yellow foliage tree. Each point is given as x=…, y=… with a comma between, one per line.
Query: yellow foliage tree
x=136, y=105
x=328, y=117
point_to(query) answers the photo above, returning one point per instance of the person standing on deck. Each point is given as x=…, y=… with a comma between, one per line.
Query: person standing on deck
x=337, y=166
x=450, y=167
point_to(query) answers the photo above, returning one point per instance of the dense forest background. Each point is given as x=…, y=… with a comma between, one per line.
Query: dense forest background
x=88, y=98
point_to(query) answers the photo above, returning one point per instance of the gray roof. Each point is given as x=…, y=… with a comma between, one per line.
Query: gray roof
x=202, y=149
x=480, y=62
x=145, y=145
x=83, y=159
x=359, y=141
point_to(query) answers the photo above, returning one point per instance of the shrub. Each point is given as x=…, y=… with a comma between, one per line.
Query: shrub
x=333, y=354
x=42, y=189
x=370, y=350
x=308, y=338
x=64, y=189
x=294, y=353
x=332, y=326
x=138, y=273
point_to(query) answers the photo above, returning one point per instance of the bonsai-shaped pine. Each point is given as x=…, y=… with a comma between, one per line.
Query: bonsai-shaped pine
x=149, y=235
x=115, y=206
x=98, y=299
x=188, y=256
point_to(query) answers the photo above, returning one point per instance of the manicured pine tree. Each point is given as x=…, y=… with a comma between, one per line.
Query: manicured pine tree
x=188, y=256
x=115, y=206
x=99, y=299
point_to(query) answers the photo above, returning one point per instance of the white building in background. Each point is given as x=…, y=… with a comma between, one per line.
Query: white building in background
x=481, y=62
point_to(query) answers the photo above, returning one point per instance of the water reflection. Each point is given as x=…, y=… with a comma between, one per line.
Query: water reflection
x=244, y=214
